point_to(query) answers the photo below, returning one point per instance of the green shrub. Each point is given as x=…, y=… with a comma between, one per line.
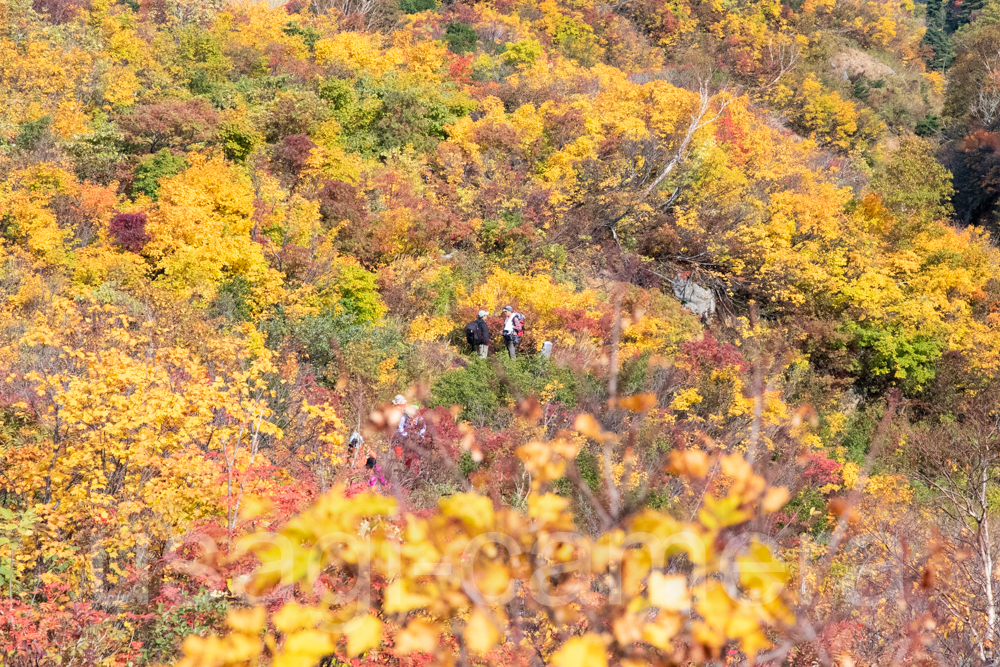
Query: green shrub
x=657, y=499
x=466, y=465
x=31, y=133
x=810, y=508
x=588, y=465
x=523, y=53
x=633, y=374
x=380, y=116
x=590, y=469
x=233, y=300
x=152, y=169
x=201, y=56
x=201, y=614
x=891, y=356
x=859, y=433
x=359, y=295
x=238, y=141
x=461, y=38
x=862, y=89
x=416, y=6
x=483, y=393
x=308, y=34
x=260, y=90
x=476, y=388
x=363, y=346
x=338, y=92
x=928, y=126
x=532, y=375
x=96, y=155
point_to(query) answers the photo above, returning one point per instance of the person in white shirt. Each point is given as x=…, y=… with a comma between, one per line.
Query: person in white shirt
x=513, y=329
x=408, y=426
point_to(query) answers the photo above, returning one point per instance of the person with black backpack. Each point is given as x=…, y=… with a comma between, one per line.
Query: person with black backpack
x=477, y=334
x=513, y=330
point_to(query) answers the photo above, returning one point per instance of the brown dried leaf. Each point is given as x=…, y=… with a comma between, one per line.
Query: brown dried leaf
x=530, y=409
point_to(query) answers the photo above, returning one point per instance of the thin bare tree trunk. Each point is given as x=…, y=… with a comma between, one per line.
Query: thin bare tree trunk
x=987, y=556
x=697, y=122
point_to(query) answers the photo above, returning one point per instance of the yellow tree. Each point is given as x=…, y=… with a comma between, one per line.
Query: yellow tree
x=130, y=432
x=201, y=229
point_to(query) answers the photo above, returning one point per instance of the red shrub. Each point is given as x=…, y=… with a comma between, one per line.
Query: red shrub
x=173, y=124
x=443, y=429
x=708, y=353
x=129, y=230
x=60, y=11
x=340, y=201
x=820, y=471
x=290, y=154
x=578, y=322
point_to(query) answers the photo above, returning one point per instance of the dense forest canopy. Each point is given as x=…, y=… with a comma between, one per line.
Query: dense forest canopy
x=240, y=421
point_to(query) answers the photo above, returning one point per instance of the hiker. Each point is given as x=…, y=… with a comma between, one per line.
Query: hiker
x=354, y=446
x=408, y=426
x=406, y=422
x=513, y=330
x=376, y=472
x=477, y=334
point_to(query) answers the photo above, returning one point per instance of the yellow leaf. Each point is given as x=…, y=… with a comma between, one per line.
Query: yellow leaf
x=689, y=463
x=761, y=573
x=669, y=592
x=635, y=565
x=660, y=632
x=627, y=629
x=312, y=643
x=721, y=513
x=774, y=499
x=474, y=510
x=247, y=621
x=420, y=636
x=586, y=651
x=754, y=642
x=480, y=633
x=735, y=466
x=549, y=509
x=632, y=662
x=241, y=648
x=365, y=637
x=294, y=616
x=715, y=605
x=588, y=426
x=400, y=598
x=254, y=507
x=606, y=550
x=741, y=624
x=493, y=580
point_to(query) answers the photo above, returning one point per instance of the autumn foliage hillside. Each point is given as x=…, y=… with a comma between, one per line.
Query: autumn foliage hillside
x=231, y=235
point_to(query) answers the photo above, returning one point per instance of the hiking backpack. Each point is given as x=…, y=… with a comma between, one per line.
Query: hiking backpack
x=472, y=334
x=518, y=324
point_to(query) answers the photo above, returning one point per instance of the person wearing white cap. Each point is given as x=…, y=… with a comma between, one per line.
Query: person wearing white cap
x=477, y=334
x=407, y=425
x=484, y=334
x=405, y=419
x=400, y=401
